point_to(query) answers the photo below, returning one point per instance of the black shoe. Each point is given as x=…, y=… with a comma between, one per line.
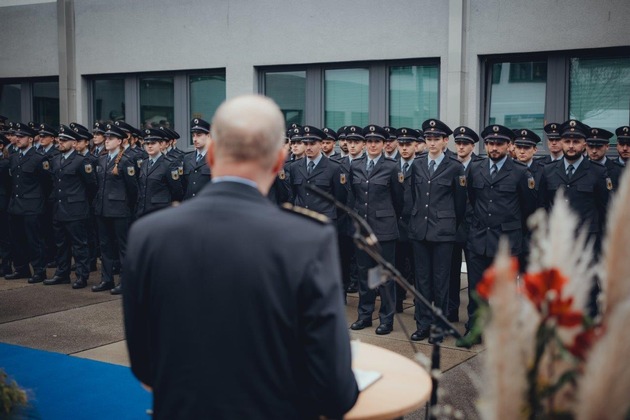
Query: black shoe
x=79, y=284
x=37, y=278
x=399, y=307
x=384, y=329
x=116, y=290
x=57, y=280
x=420, y=334
x=360, y=324
x=468, y=340
x=51, y=264
x=104, y=285
x=17, y=276
x=352, y=288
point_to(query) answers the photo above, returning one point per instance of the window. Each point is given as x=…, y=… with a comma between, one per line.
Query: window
x=518, y=105
x=158, y=99
x=599, y=91
x=413, y=95
x=46, y=103
x=109, y=99
x=207, y=92
x=11, y=101
x=347, y=97
x=397, y=93
x=288, y=89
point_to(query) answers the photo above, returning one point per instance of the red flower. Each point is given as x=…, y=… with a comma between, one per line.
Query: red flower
x=485, y=286
x=561, y=310
x=539, y=284
x=584, y=341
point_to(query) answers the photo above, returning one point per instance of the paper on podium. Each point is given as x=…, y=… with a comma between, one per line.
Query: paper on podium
x=365, y=378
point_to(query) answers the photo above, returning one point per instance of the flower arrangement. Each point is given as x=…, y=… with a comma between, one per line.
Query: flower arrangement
x=546, y=357
x=12, y=396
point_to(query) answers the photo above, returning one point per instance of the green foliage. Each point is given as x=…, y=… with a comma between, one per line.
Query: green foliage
x=11, y=395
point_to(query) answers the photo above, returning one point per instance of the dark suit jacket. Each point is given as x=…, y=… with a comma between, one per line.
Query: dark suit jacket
x=5, y=183
x=500, y=206
x=405, y=215
x=31, y=183
x=117, y=194
x=587, y=192
x=439, y=201
x=462, y=230
x=615, y=170
x=287, y=352
x=158, y=185
x=196, y=175
x=379, y=197
x=328, y=176
x=74, y=183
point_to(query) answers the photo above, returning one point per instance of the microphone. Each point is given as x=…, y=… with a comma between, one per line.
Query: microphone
x=360, y=225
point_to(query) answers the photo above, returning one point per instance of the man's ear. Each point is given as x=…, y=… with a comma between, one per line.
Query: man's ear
x=279, y=164
x=210, y=158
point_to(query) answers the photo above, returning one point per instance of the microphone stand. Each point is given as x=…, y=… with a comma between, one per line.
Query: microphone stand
x=365, y=240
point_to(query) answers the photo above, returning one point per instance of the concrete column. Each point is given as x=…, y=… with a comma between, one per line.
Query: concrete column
x=67, y=61
x=455, y=73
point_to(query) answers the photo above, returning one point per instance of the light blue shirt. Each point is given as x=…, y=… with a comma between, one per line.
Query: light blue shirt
x=499, y=163
x=68, y=153
x=376, y=159
x=403, y=161
x=437, y=160
x=237, y=179
x=575, y=165
x=25, y=151
x=315, y=161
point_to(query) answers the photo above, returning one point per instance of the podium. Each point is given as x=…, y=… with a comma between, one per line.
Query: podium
x=404, y=386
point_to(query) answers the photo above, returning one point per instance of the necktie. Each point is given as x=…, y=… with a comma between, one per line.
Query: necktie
x=151, y=162
x=431, y=167
x=405, y=167
x=370, y=167
x=109, y=159
x=310, y=167
x=63, y=160
x=570, y=170
x=493, y=171
x=199, y=156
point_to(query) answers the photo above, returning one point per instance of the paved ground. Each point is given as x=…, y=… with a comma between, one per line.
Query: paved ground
x=89, y=325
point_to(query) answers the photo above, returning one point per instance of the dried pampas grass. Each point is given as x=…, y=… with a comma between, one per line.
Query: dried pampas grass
x=604, y=389
x=505, y=385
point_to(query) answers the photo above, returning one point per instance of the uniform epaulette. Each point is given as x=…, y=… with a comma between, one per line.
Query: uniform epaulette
x=454, y=158
x=599, y=163
x=520, y=163
x=616, y=162
x=335, y=161
x=309, y=214
x=168, y=158
x=390, y=159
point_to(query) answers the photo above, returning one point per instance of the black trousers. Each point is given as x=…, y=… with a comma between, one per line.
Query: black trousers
x=405, y=264
x=433, y=268
x=92, y=237
x=71, y=240
x=476, y=265
x=112, y=234
x=347, y=250
x=367, y=296
x=455, y=283
x=28, y=243
x=50, y=247
x=5, y=241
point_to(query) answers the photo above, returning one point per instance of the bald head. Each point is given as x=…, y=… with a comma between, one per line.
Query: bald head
x=248, y=128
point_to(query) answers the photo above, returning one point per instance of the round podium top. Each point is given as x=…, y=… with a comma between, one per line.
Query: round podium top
x=403, y=387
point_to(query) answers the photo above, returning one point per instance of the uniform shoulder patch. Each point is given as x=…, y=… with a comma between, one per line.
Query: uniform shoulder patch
x=342, y=178
x=609, y=184
x=88, y=168
x=175, y=174
x=310, y=214
x=282, y=175
x=462, y=180
x=46, y=165
x=180, y=169
x=531, y=183
x=401, y=177
x=131, y=171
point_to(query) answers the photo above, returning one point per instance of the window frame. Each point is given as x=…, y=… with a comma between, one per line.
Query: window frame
x=26, y=93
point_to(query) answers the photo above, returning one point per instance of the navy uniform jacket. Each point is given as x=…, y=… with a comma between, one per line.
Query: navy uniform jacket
x=587, y=192
x=196, y=175
x=280, y=190
x=328, y=176
x=378, y=198
x=158, y=186
x=293, y=362
x=136, y=155
x=74, y=183
x=117, y=194
x=31, y=183
x=462, y=230
x=615, y=170
x=500, y=206
x=5, y=182
x=439, y=201
x=405, y=215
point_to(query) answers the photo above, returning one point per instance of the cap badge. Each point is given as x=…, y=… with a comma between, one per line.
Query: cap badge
x=62, y=130
x=76, y=129
x=404, y=131
x=595, y=131
x=109, y=126
x=296, y=131
x=524, y=132
x=41, y=126
x=306, y=129
x=432, y=123
x=572, y=123
x=462, y=130
x=372, y=128
x=117, y=123
x=196, y=121
x=353, y=129
x=147, y=131
x=325, y=130
x=495, y=129
x=553, y=126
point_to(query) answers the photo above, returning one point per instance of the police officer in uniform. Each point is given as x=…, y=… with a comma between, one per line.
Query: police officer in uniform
x=159, y=183
x=377, y=195
x=623, y=145
x=47, y=136
x=98, y=140
x=439, y=205
x=114, y=204
x=31, y=187
x=74, y=182
x=465, y=139
x=502, y=193
x=391, y=144
x=552, y=130
x=406, y=138
x=5, y=196
x=196, y=170
x=328, y=143
x=597, y=147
